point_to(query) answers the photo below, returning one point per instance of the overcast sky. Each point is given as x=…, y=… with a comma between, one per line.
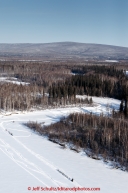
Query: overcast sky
x=44, y=21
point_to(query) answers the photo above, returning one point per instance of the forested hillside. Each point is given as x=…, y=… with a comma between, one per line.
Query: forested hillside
x=57, y=84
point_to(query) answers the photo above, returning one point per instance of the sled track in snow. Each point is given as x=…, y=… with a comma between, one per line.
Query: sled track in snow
x=25, y=164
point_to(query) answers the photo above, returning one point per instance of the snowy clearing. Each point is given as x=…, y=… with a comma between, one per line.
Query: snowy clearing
x=12, y=80
x=101, y=105
x=30, y=160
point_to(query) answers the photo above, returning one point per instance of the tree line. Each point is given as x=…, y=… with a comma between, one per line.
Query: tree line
x=26, y=97
x=98, y=135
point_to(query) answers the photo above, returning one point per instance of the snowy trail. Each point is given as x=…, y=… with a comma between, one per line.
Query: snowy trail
x=18, y=158
x=4, y=149
x=24, y=163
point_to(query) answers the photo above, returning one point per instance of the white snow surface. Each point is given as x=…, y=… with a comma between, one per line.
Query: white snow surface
x=30, y=160
x=126, y=72
x=101, y=105
x=111, y=61
x=12, y=80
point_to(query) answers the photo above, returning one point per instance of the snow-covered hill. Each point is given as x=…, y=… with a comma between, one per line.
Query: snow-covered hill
x=62, y=50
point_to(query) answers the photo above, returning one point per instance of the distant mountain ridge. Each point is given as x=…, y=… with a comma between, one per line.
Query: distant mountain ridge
x=62, y=50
